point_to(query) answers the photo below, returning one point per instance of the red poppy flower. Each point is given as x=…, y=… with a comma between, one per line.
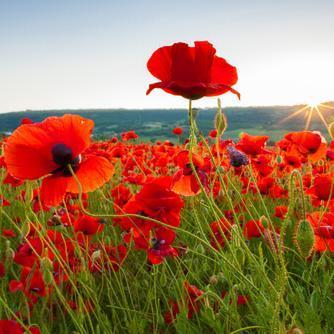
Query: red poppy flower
x=307, y=143
x=8, y=233
x=191, y=72
x=129, y=135
x=322, y=189
x=253, y=229
x=184, y=181
x=252, y=145
x=221, y=231
x=26, y=120
x=161, y=245
x=88, y=225
x=48, y=148
x=13, y=327
x=213, y=133
x=3, y=201
x=280, y=211
x=155, y=200
x=178, y=131
x=31, y=283
x=323, y=226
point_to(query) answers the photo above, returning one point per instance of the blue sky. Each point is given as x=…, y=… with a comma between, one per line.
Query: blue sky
x=93, y=54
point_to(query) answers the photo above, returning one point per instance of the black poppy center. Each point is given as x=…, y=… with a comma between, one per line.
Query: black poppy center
x=156, y=243
x=62, y=155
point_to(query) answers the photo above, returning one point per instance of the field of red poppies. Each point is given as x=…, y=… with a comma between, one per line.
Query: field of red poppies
x=202, y=236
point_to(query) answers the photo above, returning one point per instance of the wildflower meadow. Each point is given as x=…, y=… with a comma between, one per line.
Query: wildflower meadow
x=196, y=235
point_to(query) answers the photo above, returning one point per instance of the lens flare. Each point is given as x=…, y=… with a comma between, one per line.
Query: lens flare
x=314, y=108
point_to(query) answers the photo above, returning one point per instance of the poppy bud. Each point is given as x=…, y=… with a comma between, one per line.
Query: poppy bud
x=304, y=238
x=107, y=240
x=264, y=221
x=9, y=253
x=279, y=159
x=96, y=256
x=47, y=276
x=220, y=121
x=25, y=230
x=213, y=280
x=200, y=249
x=331, y=129
x=46, y=264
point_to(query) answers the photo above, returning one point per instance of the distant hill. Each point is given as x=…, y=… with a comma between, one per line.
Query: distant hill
x=158, y=124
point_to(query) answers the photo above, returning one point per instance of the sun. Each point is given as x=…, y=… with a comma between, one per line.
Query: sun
x=314, y=102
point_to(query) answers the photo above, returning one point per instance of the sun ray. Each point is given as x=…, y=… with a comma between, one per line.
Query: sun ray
x=309, y=117
x=326, y=106
x=321, y=116
x=294, y=114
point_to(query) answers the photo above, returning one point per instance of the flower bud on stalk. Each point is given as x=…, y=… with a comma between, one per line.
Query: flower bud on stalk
x=25, y=230
x=304, y=238
x=96, y=256
x=220, y=122
x=331, y=130
x=47, y=269
x=9, y=253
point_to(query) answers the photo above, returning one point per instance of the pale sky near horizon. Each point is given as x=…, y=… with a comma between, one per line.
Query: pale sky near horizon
x=92, y=54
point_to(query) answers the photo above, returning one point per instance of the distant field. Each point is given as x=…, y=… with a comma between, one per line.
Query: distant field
x=152, y=125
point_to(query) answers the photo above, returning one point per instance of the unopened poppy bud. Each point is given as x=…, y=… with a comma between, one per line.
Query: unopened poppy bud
x=96, y=255
x=213, y=280
x=331, y=129
x=25, y=230
x=304, y=238
x=220, y=121
x=47, y=276
x=107, y=240
x=9, y=253
x=200, y=249
x=46, y=264
x=221, y=169
x=239, y=254
x=264, y=221
x=279, y=159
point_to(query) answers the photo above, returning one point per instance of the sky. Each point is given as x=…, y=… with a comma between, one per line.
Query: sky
x=92, y=54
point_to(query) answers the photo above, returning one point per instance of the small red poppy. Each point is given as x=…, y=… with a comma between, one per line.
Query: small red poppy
x=178, y=131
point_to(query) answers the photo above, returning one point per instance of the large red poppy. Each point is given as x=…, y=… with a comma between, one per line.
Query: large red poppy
x=191, y=72
x=48, y=148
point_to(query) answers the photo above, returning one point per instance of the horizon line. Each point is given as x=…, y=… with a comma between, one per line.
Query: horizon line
x=157, y=108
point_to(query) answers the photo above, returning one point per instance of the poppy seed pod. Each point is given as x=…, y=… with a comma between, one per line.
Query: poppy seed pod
x=304, y=238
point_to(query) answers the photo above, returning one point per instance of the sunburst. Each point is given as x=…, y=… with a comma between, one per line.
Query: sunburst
x=310, y=110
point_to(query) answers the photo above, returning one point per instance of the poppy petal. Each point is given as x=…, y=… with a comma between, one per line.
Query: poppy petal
x=93, y=173
x=53, y=189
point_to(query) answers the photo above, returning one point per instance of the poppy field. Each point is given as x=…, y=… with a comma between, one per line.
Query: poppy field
x=206, y=235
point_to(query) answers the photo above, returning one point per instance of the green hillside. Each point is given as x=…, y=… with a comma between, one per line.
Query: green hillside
x=158, y=124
